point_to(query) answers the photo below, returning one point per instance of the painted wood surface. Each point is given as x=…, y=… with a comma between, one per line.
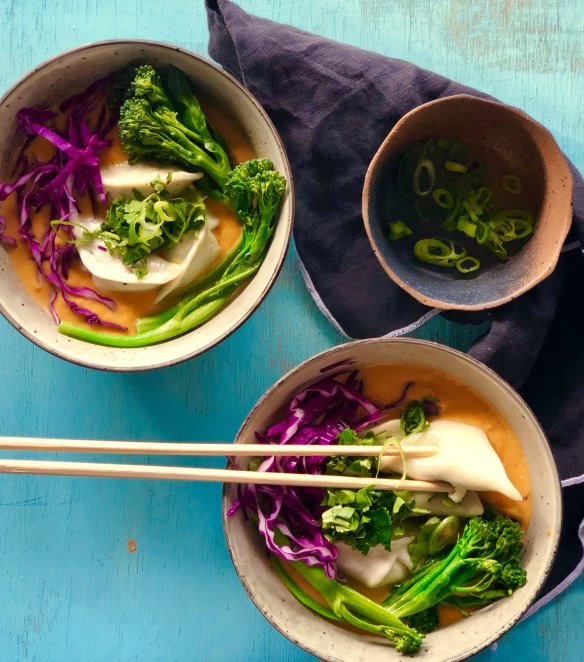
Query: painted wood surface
x=111, y=570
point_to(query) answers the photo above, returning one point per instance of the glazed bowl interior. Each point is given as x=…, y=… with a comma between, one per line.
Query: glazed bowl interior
x=331, y=642
x=507, y=141
x=70, y=73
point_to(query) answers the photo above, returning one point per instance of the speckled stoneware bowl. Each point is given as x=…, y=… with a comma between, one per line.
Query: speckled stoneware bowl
x=70, y=73
x=509, y=141
x=331, y=642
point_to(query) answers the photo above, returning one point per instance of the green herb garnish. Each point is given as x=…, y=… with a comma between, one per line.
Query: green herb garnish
x=361, y=518
x=136, y=227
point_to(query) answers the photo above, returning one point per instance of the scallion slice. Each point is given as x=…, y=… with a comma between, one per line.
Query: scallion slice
x=483, y=196
x=397, y=230
x=424, y=170
x=443, y=198
x=467, y=264
x=464, y=224
x=511, y=184
x=455, y=166
x=439, y=251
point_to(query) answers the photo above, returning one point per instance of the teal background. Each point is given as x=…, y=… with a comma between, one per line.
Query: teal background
x=69, y=588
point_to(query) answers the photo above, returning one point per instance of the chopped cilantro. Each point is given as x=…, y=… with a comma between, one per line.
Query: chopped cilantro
x=361, y=518
x=136, y=227
x=413, y=418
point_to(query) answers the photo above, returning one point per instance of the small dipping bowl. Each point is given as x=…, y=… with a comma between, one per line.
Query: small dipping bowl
x=508, y=141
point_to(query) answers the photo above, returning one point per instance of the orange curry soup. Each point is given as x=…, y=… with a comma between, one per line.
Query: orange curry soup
x=457, y=403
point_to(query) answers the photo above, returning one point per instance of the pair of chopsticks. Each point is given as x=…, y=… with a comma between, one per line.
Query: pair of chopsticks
x=110, y=470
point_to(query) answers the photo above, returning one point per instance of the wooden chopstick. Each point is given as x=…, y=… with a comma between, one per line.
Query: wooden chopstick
x=50, y=468
x=110, y=470
x=205, y=449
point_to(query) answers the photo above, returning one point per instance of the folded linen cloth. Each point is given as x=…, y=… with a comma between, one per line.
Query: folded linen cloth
x=316, y=92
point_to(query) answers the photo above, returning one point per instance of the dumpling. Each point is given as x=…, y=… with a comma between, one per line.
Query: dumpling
x=173, y=270
x=379, y=567
x=124, y=179
x=464, y=458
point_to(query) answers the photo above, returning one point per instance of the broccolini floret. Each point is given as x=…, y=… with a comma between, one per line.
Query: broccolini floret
x=154, y=126
x=482, y=567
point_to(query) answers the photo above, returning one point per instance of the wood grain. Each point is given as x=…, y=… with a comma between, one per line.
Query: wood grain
x=71, y=589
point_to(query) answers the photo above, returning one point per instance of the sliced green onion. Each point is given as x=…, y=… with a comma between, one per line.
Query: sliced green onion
x=467, y=204
x=493, y=243
x=443, y=143
x=454, y=166
x=511, y=184
x=523, y=229
x=464, y=224
x=441, y=252
x=467, y=264
x=397, y=230
x=483, y=196
x=511, y=224
x=445, y=534
x=503, y=228
x=443, y=198
x=516, y=214
x=424, y=167
x=457, y=150
x=450, y=221
x=482, y=233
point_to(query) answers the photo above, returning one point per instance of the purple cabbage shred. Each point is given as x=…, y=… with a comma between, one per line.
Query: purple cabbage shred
x=56, y=183
x=316, y=415
x=7, y=241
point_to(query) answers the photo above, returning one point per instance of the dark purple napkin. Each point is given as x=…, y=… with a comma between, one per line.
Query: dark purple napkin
x=333, y=105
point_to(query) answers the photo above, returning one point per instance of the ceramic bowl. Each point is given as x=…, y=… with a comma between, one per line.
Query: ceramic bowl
x=70, y=73
x=331, y=642
x=508, y=141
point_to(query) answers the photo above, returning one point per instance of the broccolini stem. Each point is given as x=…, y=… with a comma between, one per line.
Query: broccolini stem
x=299, y=594
x=354, y=608
x=170, y=329
x=190, y=315
x=194, y=156
x=152, y=321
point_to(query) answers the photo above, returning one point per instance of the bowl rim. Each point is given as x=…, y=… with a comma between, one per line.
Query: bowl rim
x=556, y=249
x=490, y=374
x=155, y=365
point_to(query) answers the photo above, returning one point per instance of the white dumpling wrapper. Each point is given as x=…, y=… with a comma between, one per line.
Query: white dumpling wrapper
x=174, y=270
x=438, y=504
x=379, y=567
x=123, y=178
x=464, y=458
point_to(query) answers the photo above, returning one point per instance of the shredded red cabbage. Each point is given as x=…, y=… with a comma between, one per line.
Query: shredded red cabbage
x=72, y=171
x=316, y=416
x=8, y=241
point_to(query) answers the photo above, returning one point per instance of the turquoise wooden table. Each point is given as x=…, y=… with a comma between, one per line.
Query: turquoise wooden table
x=110, y=570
